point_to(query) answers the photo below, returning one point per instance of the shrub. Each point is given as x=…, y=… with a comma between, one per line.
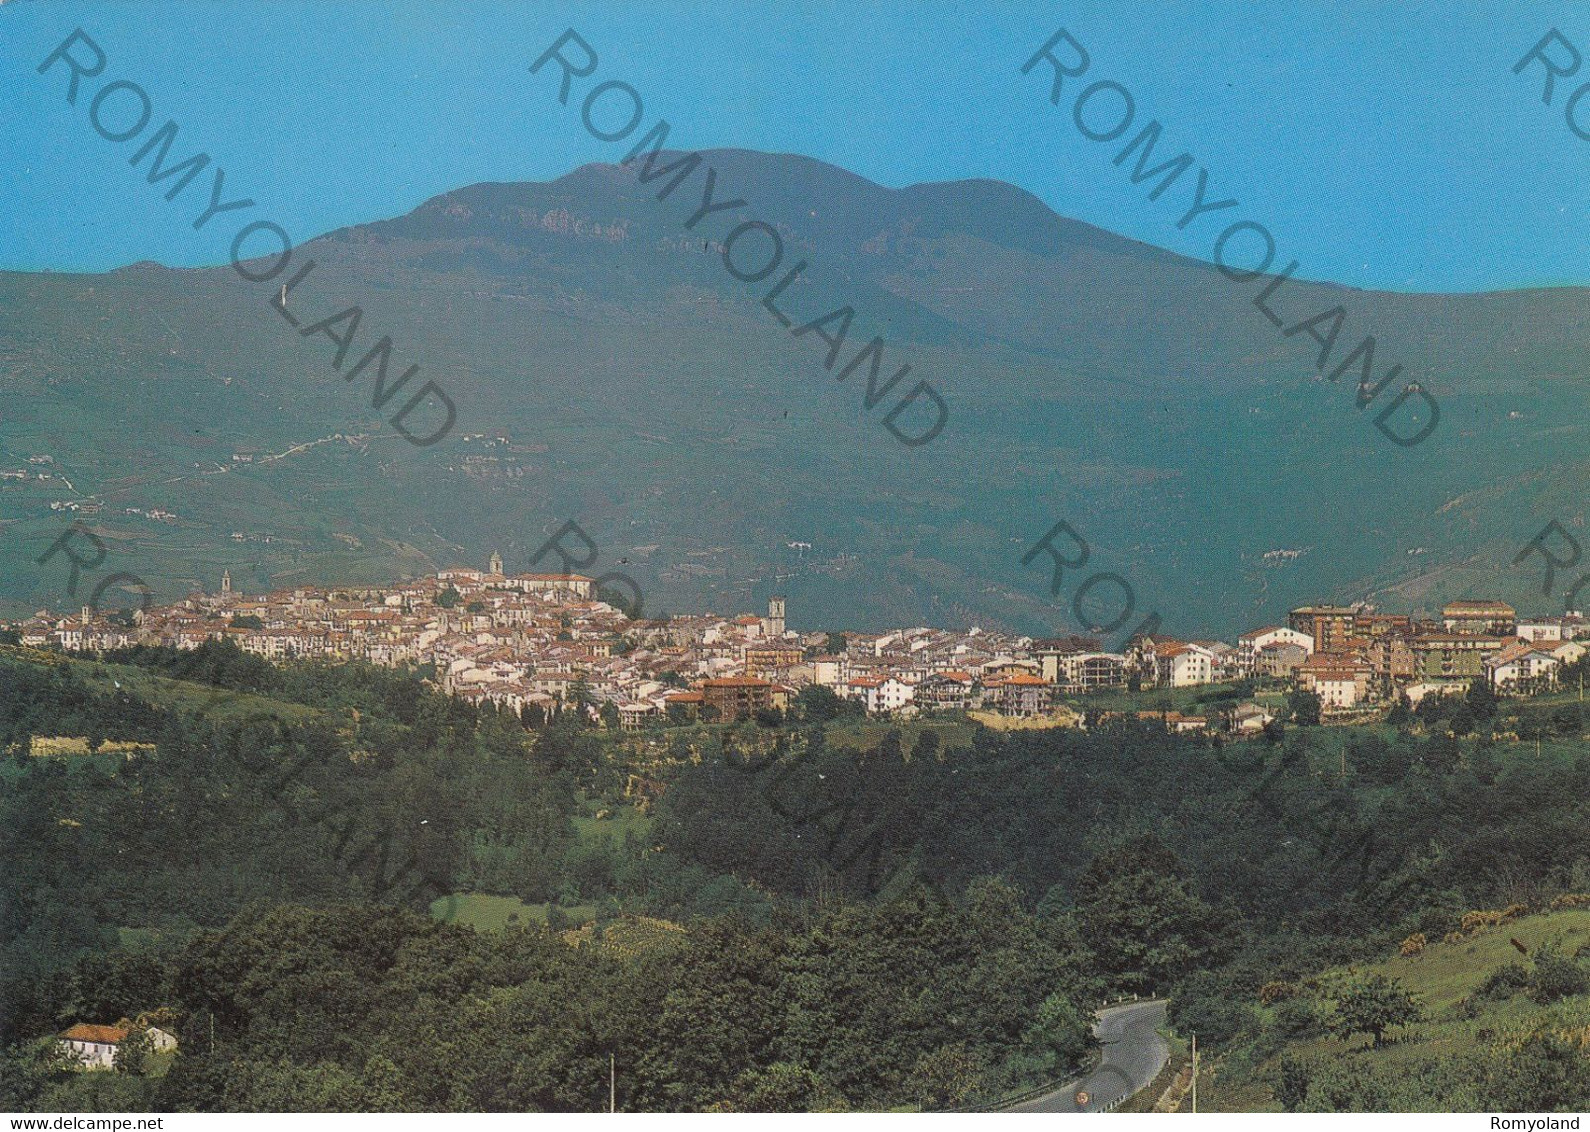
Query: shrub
x=1291, y=1085
x=1504, y=982
x=1544, y=1074
x=1206, y=1005
x=948, y=1077
x=1556, y=976
x=1275, y=991
x=1373, y=1005
x=1474, y=921
x=1483, y=918
x=1413, y=945
x=1298, y=1018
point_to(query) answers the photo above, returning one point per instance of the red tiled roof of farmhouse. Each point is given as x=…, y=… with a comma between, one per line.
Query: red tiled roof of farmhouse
x=683, y=698
x=88, y=1032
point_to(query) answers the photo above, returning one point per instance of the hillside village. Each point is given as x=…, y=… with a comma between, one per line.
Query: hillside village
x=538, y=643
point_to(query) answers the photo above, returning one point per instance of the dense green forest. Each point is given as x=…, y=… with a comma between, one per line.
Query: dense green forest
x=860, y=925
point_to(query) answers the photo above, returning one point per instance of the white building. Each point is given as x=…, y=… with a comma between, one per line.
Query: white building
x=1520, y=664
x=881, y=694
x=94, y=1047
x=1251, y=643
x=1180, y=666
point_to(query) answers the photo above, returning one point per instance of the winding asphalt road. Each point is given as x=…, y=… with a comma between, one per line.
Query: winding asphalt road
x=1133, y=1055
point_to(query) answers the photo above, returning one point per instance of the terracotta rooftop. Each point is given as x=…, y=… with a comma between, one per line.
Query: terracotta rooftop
x=88, y=1032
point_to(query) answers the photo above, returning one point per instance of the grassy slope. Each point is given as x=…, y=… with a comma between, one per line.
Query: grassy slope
x=165, y=692
x=485, y=912
x=1442, y=977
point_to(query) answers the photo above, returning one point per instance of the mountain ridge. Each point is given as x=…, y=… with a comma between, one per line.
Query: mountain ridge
x=639, y=390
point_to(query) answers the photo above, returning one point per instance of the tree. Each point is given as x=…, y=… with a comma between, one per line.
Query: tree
x=1305, y=707
x=1373, y=1004
x=1291, y=1086
x=948, y=1077
x=1481, y=698
x=133, y=1052
x=247, y=621
x=781, y=1087
x=1140, y=919
x=1212, y=1005
x=449, y=598
x=1059, y=1035
x=1556, y=976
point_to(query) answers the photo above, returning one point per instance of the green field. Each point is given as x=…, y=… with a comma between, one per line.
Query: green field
x=619, y=819
x=485, y=912
x=865, y=733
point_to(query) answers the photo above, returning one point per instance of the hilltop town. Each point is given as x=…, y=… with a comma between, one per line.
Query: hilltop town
x=537, y=644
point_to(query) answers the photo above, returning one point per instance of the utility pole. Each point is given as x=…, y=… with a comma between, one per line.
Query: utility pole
x=1195, y=1075
x=612, y=1083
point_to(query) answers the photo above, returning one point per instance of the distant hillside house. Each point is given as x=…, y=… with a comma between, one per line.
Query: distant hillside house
x=1282, y=659
x=1519, y=666
x=1018, y=694
x=734, y=697
x=577, y=584
x=1564, y=628
x=1180, y=665
x=880, y=694
x=1250, y=719
x=1452, y=656
x=1251, y=643
x=952, y=690
x=1175, y=721
x=683, y=705
x=1328, y=625
x=1340, y=681
x=94, y=1047
x=1483, y=618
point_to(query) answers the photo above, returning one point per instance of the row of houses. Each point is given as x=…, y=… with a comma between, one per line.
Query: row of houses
x=546, y=642
x=1352, y=655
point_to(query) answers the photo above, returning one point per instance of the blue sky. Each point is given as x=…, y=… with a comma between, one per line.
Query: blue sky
x=1385, y=145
